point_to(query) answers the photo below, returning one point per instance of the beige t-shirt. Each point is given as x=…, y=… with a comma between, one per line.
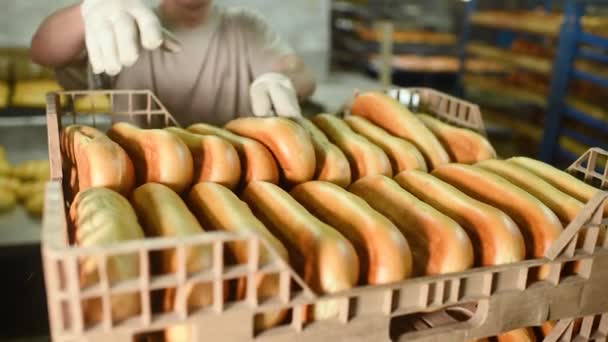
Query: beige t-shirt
x=208, y=81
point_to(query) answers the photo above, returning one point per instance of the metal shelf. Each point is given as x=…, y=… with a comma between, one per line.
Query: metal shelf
x=583, y=75
x=533, y=133
x=512, y=59
x=572, y=35
x=582, y=117
x=539, y=65
x=536, y=22
x=387, y=28
x=579, y=47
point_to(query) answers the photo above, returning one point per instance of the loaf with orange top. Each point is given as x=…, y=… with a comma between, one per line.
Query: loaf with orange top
x=290, y=144
x=158, y=156
x=496, y=235
x=324, y=258
x=391, y=115
x=257, y=162
x=365, y=158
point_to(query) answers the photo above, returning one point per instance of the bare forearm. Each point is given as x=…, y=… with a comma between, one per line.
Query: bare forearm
x=303, y=81
x=60, y=38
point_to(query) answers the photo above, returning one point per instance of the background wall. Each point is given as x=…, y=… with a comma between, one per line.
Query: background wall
x=302, y=22
x=19, y=19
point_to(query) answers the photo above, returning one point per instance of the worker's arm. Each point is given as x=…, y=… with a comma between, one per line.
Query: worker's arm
x=111, y=30
x=59, y=40
x=298, y=72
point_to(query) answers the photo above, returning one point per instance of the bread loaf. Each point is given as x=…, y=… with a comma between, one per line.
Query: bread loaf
x=257, y=162
x=91, y=159
x=3, y=156
x=289, y=143
x=496, y=237
x=564, y=181
x=12, y=184
x=402, y=154
x=391, y=115
x=34, y=205
x=463, y=146
x=32, y=170
x=217, y=207
x=384, y=254
x=215, y=159
x=439, y=244
x=6, y=168
x=539, y=225
x=332, y=165
x=158, y=156
x=324, y=258
x=102, y=217
x=162, y=213
x=8, y=200
x=98, y=103
x=26, y=190
x=564, y=206
x=364, y=157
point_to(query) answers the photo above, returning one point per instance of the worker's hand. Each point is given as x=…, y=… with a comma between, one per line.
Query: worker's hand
x=276, y=91
x=111, y=33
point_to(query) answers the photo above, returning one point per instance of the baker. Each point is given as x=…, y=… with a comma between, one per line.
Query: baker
x=230, y=63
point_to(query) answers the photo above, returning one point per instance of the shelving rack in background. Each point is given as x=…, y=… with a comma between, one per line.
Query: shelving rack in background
x=561, y=123
x=572, y=35
x=422, y=43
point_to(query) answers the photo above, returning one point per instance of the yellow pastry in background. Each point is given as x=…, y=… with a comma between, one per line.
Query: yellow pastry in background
x=33, y=170
x=23, y=183
x=29, y=189
x=98, y=103
x=4, y=91
x=34, y=205
x=32, y=93
x=9, y=183
x=8, y=200
x=5, y=166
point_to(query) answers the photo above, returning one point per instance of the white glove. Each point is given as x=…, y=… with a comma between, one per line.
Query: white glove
x=276, y=91
x=111, y=32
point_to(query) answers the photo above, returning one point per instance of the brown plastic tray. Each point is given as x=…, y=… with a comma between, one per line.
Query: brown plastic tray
x=455, y=307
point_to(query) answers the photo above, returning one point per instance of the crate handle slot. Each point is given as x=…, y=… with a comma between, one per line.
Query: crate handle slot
x=590, y=170
x=457, y=319
x=592, y=213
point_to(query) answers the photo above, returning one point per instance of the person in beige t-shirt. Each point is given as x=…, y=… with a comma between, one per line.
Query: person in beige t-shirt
x=230, y=64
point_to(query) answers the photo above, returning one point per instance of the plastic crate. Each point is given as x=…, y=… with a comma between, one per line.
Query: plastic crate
x=454, y=307
x=592, y=328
